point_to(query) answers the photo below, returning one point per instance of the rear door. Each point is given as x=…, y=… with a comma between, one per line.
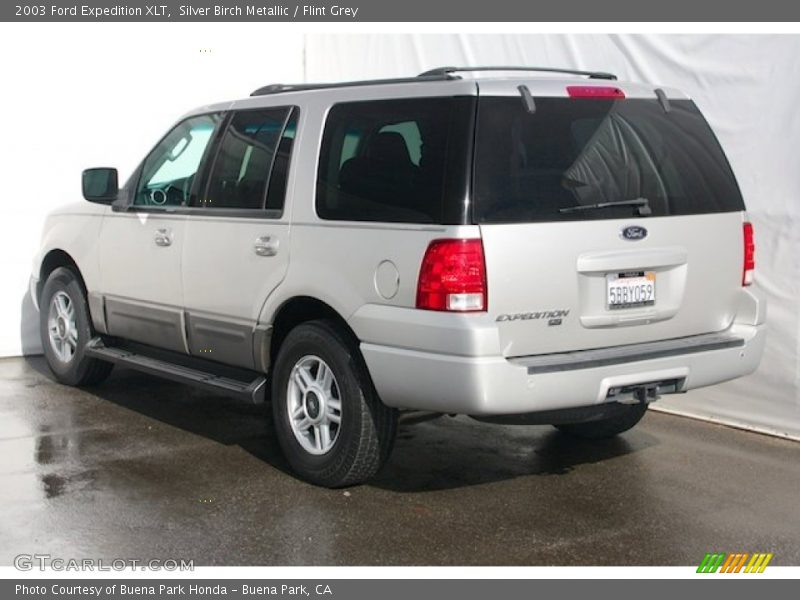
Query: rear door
x=236, y=249
x=568, y=266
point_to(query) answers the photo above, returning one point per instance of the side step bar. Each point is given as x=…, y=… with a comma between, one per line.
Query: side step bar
x=250, y=391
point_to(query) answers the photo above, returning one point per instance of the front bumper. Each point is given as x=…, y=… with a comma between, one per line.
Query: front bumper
x=494, y=385
x=33, y=286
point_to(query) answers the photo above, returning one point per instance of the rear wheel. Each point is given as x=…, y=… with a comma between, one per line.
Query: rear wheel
x=330, y=423
x=66, y=329
x=607, y=427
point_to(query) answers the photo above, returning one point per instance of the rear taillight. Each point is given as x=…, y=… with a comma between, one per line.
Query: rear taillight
x=453, y=277
x=594, y=91
x=749, y=254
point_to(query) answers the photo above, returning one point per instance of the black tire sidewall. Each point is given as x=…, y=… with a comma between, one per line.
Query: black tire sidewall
x=317, y=340
x=72, y=372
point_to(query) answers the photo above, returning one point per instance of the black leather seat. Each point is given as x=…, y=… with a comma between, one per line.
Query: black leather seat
x=384, y=173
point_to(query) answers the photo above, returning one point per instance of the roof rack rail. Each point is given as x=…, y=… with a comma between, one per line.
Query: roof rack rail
x=449, y=71
x=438, y=74
x=280, y=88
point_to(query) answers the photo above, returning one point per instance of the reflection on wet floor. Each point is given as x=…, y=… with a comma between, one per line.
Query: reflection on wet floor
x=145, y=468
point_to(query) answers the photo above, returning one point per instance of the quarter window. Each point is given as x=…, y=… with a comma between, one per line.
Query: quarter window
x=395, y=160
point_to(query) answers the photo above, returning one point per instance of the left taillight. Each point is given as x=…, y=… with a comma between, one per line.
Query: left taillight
x=749, y=254
x=453, y=277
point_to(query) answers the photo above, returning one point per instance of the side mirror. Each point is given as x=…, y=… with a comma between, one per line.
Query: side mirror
x=100, y=185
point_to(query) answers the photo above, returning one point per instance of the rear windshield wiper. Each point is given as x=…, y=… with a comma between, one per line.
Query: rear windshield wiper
x=641, y=203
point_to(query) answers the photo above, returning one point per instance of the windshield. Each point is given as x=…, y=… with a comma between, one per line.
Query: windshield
x=574, y=152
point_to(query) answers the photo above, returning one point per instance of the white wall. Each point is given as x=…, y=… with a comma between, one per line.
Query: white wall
x=81, y=95
x=749, y=89
x=86, y=95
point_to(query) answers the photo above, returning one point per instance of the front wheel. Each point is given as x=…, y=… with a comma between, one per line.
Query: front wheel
x=66, y=329
x=622, y=420
x=330, y=423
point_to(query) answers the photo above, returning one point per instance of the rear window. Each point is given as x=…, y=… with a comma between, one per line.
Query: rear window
x=396, y=161
x=573, y=152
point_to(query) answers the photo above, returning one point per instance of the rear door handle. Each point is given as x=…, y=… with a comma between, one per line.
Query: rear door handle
x=163, y=237
x=266, y=246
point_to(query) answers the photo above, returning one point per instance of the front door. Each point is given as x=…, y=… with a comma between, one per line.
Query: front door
x=141, y=247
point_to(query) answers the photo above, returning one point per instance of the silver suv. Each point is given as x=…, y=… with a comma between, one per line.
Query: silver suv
x=535, y=247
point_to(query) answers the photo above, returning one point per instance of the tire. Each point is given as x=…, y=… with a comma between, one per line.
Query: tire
x=319, y=376
x=607, y=427
x=66, y=328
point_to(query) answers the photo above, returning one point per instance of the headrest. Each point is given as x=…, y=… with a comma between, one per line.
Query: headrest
x=390, y=147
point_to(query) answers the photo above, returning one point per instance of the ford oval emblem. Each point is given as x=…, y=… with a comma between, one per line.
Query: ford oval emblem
x=633, y=233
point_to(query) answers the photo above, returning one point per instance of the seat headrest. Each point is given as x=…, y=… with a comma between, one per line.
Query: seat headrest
x=389, y=146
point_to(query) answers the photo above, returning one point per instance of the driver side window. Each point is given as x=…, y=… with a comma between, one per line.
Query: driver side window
x=169, y=171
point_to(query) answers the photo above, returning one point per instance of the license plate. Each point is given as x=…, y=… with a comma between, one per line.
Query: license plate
x=631, y=289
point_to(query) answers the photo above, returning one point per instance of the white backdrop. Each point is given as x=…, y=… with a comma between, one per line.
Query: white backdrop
x=91, y=94
x=107, y=93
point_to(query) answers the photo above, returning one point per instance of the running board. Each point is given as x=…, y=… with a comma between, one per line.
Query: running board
x=250, y=391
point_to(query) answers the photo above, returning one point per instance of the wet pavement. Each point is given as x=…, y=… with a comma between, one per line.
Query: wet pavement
x=143, y=468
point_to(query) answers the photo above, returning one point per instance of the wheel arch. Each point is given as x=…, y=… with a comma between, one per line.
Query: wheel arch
x=294, y=312
x=54, y=259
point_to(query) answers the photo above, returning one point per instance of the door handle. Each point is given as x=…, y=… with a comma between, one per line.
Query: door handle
x=266, y=246
x=163, y=237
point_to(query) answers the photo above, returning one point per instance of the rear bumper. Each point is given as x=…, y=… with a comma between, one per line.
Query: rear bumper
x=494, y=385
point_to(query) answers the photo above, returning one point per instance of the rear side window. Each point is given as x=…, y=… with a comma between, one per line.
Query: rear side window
x=574, y=152
x=241, y=170
x=396, y=161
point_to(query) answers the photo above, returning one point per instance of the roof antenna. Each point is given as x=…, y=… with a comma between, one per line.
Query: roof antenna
x=663, y=100
x=527, y=99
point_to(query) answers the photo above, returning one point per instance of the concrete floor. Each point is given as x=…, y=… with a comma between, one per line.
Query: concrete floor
x=142, y=468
